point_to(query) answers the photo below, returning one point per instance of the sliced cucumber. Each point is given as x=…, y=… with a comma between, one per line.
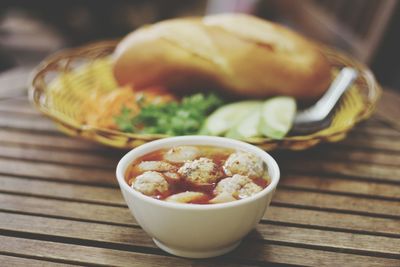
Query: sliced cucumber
x=224, y=118
x=248, y=126
x=277, y=116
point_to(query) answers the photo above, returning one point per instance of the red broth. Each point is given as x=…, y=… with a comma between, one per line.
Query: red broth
x=216, y=154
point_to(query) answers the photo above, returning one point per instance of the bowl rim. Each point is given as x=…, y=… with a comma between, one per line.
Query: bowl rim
x=273, y=168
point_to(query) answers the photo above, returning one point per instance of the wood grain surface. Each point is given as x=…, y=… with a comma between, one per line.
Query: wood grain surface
x=336, y=205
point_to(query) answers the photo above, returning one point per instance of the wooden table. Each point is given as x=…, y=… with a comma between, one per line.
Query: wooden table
x=337, y=204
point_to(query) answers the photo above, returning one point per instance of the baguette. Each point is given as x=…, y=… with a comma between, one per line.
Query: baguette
x=239, y=54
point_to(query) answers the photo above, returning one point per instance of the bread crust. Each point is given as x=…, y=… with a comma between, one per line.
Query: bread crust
x=239, y=54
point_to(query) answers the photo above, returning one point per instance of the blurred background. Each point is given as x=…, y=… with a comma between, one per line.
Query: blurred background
x=30, y=30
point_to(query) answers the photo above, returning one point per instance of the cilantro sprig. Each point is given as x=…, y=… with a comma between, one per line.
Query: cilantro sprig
x=173, y=118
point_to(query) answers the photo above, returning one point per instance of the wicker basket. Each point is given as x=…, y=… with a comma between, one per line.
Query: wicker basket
x=63, y=81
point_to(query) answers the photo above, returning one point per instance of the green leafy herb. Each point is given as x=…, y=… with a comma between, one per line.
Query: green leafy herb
x=174, y=118
x=124, y=120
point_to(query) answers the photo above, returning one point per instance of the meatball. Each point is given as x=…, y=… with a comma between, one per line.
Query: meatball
x=238, y=186
x=249, y=189
x=244, y=163
x=185, y=197
x=201, y=171
x=150, y=183
x=159, y=166
x=182, y=154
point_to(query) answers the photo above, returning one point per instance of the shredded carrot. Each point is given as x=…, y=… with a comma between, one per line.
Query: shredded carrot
x=100, y=109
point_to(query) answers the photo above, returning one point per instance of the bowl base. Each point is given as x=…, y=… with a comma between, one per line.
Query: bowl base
x=195, y=254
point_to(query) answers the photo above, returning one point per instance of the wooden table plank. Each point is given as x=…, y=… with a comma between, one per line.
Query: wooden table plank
x=58, y=172
x=18, y=261
x=13, y=82
x=357, y=205
x=379, y=143
x=66, y=209
x=339, y=185
x=22, y=121
x=57, y=156
x=382, y=132
x=86, y=255
x=28, y=138
x=134, y=236
x=349, y=169
x=54, y=189
x=308, y=257
x=18, y=105
x=336, y=221
x=343, y=154
x=259, y=252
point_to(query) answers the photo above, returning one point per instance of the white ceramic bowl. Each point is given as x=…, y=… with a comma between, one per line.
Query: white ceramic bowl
x=195, y=230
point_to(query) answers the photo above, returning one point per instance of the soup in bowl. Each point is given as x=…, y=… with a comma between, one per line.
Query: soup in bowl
x=197, y=196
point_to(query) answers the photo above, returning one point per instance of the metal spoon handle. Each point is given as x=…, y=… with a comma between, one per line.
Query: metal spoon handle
x=325, y=104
